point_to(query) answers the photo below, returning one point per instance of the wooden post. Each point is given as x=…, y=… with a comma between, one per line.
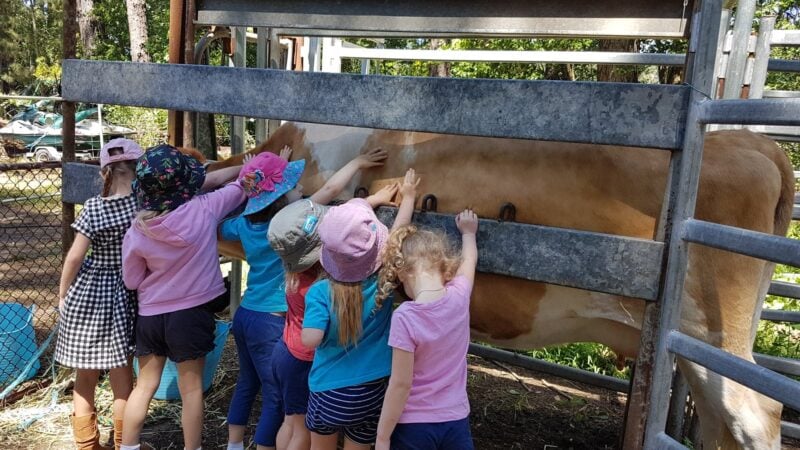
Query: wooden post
x=69, y=39
x=175, y=118
x=188, y=52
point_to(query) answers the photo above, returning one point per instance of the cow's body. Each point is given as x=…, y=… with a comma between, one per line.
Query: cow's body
x=746, y=181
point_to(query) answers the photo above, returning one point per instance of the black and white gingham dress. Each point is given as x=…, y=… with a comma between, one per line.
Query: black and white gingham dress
x=96, y=324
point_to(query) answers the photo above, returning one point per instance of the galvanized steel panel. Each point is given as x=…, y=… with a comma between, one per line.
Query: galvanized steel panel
x=80, y=182
x=580, y=259
x=601, y=113
x=416, y=18
x=765, y=381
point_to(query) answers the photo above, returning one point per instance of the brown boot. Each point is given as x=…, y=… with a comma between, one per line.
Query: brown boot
x=87, y=436
x=117, y=433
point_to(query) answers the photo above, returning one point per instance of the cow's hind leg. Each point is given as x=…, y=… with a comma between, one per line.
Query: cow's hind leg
x=731, y=415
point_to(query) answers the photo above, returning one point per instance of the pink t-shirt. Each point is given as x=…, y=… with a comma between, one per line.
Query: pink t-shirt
x=296, y=301
x=438, y=335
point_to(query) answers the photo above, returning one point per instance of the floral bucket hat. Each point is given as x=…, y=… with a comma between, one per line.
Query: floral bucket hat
x=166, y=178
x=266, y=178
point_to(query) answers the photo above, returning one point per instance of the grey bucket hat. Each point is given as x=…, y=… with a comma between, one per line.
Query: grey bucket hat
x=293, y=234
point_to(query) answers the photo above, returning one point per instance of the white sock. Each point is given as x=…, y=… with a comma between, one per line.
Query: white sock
x=236, y=445
x=130, y=447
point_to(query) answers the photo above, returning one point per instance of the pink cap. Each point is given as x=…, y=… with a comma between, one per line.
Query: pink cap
x=130, y=151
x=352, y=240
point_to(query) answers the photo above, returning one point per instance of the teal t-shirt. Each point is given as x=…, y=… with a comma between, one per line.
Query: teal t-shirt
x=265, y=280
x=335, y=366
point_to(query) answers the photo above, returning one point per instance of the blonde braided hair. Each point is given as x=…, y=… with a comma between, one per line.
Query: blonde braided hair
x=408, y=247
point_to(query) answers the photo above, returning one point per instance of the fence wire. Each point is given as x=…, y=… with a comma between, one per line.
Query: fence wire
x=30, y=262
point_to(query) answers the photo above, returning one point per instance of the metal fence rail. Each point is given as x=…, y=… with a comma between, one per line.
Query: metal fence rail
x=30, y=262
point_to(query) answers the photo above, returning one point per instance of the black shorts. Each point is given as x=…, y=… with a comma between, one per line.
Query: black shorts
x=180, y=335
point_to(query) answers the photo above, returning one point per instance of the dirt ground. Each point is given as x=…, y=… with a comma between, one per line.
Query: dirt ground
x=512, y=408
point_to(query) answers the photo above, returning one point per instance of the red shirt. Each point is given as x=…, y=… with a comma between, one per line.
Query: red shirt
x=296, y=301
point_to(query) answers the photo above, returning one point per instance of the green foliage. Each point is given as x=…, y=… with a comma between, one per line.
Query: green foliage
x=593, y=357
x=30, y=33
x=151, y=124
x=113, y=40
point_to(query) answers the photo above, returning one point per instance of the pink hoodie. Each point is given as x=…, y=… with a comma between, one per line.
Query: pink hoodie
x=174, y=265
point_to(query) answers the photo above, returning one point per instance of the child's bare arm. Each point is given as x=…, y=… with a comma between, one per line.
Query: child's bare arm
x=409, y=192
x=219, y=177
x=333, y=187
x=467, y=223
x=72, y=263
x=312, y=337
x=383, y=197
x=396, y=396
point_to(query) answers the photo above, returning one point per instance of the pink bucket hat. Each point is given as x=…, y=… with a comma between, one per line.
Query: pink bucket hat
x=266, y=178
x=352, y=240
x=130, y=151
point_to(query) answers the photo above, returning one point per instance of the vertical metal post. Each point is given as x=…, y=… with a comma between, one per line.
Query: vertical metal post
x=677, y=406
x=69, y=44
x=700, y=61
x=100, y=120
x=765, y=27
x=262, y=57
x=738, y=57
x=239, y=35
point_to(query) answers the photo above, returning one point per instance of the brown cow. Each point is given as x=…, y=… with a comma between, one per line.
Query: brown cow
x=746, y=181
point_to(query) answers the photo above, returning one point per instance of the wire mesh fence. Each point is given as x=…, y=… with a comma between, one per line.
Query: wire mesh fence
x=30, y=264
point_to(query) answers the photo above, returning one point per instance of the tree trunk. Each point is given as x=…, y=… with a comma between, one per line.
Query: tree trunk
x=88, y=27
x=441, y=69
x=137, y=26
x=622, y=74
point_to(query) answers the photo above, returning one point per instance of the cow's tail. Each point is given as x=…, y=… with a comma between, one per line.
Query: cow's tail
x=783, y=214
x=783, y=210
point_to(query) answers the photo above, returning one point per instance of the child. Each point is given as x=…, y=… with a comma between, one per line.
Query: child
x=258, y=323
x=169, y=256
x=348, y=327
x=293, y=235
x=97, y=312
x=426, y=404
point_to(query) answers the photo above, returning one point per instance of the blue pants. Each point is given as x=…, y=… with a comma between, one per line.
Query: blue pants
x=256, y=334
x=453, y=435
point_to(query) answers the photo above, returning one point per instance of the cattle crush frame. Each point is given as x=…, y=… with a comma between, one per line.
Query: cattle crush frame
x=508, y=109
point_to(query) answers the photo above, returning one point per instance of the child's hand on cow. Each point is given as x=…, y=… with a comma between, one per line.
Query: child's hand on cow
x=286, y=153
x=384, y=196
x=372, y=158
x=467, y=222
x=410, y=183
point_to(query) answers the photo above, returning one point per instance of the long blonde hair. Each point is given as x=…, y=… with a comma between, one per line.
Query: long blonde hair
x=143, y=216
x=348, y=304
x=408, y=247
x=292, y=279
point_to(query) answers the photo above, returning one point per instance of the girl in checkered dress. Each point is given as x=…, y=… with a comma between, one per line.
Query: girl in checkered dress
x=96, y=311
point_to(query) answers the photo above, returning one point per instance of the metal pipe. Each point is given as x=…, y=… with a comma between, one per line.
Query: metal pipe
x=751, y=243
x=786, y=366
x=594, y=379
x=784, y=289
x=765, y=381
x=751, y=112
x=737, y=58
x=761, y=61
x=684, y=183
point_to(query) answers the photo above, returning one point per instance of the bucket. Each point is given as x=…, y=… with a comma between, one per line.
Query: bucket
x=168, y=389
x=17, y=342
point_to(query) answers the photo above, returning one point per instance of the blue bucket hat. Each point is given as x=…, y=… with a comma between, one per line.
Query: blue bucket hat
x=166, y=178
x=266, y=178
